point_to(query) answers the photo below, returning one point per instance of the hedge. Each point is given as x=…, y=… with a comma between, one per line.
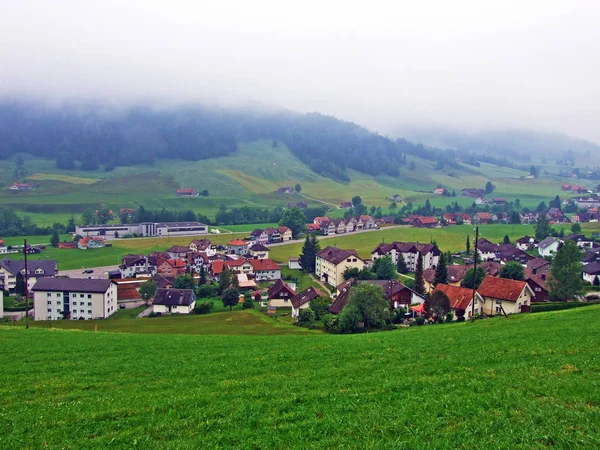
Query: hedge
x=556, y=306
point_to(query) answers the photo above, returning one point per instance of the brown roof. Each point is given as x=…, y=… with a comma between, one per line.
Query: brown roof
x=459, y=297
x=336, y=255
x=174, y=297
x=501, y=288
x=307, y=295
x=264, y=264
x=278, y=287
x=536, y=263
x=91, y=285
x=341, y=300
x=406, y=247
x=178, y=249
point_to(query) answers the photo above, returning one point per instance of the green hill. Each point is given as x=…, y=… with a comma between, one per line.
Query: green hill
x=520, y=382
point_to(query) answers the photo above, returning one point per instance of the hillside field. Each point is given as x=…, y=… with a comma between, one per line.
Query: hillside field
x=527, y=381
x=249, y=177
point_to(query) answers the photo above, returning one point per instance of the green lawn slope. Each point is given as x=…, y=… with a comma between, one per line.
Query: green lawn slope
x=530, y=381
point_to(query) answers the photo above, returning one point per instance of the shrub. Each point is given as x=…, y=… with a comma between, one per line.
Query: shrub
x=420, y=321
x=449, y=317
x=330, y=321
x=248, y=304
x=206, y=291
x=202, y=308
x=306, y=316
x=398, y=315
x=152, y=314
x=556, y=306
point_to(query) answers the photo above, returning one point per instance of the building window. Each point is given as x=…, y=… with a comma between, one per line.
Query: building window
x=89, y=311
x=81, y=295
x=89, y=295
x=82, y=303
x=73, y=295
x=49, y=310
x=48, y=294
x=49, y=302
x=58, y=302
x=89, y=303
x=74, y=311
x=58, y=294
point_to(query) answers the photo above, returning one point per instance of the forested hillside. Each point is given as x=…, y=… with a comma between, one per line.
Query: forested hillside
x=87, y=137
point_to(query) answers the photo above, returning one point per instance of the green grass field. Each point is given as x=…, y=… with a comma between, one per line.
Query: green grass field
x=520, y=382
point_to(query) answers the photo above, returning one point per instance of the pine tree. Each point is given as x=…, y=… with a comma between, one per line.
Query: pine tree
x=202, y=275
x=468, y=245
x=401, y=264
x=441, y=272
x=419, y=281
x=310, y=248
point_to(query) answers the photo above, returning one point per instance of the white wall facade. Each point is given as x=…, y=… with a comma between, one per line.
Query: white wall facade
x=50, y=305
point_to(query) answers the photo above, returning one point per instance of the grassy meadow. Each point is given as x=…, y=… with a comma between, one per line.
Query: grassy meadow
x=527, y=381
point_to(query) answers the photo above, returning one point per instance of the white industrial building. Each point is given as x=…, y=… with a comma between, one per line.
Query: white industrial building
x=146, y=229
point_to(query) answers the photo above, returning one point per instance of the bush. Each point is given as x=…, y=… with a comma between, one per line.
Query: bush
x=152, y=314
x=398, y=315
x=206, y=291
x=248, y=304
x=557, y=306
x=449, y=317
x=306, y=316
x=330, y=321
x=420, y=321
x=202, y=308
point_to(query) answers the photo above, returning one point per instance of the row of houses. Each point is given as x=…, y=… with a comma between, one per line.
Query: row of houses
x=326, y=226
x=270, y=235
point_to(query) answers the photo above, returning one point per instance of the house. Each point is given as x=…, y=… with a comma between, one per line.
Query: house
x=526, y=243
x=341, y=298
x=331, y=262
x=472, y=192
x=312, y=228
x=499, y=201
x=350, y=224
x=287, y=190
x=280, y=295
x=294, y=263
x=259, y=236
x=482, y=218
x=346, y=205
x=163, y=281
x=396, y=198
x=537, y=283
x=74, y=298
x=425, y=222
x=237, y=247
x=340, y=226
x=134, y=265
x=265, y=269
x=302, y=300
x=481, y=201
x=186, y=193
x=285, y=233
x=259, y=251
x=461, y=300
x=580, y=240
x=440, y=191
x=273, y=235
x=196, y=261
x=548, y=246
x=239, y=265
x=36, y=270
x=466, y=219
x=507, y=253
x=178, y=252
x=591, y=271
x=455, y=275
x=557, y=216
x=90, y=242
x=67, y=244
x=368, y=222
x=502, y=295
x=449, y=219
x=203, y=245
x=410, y=251
x=20, y=187
x=174, y=301
x=171, y=267
x=538, y=266
x=396, y=293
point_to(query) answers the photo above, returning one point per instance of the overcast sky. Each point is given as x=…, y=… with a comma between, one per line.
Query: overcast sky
x=461, y=64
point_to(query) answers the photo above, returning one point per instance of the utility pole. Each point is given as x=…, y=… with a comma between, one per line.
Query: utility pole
x=26, y=290
x=475, y=258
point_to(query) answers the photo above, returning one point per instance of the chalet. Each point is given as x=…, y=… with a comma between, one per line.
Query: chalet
x=440, y=191
x=328, y=227
x=368, y=222
x=178, y=252
x=466, y=219
x=280, y=295
x=203, y=245
x=502, y=295
x=526, y=243
x=259, y=251
x=302, y=299
x=331, y=262
x=286, y=190
x=90, y=242
x=162, y=281
x=134, y=265
x=507, y=253
x=482, y=218
x=196, y=261
x=313, y=228
x=425, y=222
x=171, y=267
x=350, y=224
x=237, y=247
x=342, y=292
x=557, y=216
x=20, y=187
x=537, y=283
x=265, y=269
x=548, y=246
x=580, y=240
x=186, y=193
x=36, y=269
x=174, y=301
x=472, y=192
x=591, y=271
x=259, y=236
x=285, y=233
x=274, y=235
x=461, y=300
x=455, y=275
x=410, y=251
x=538, y=266
x=346, y=205
x=449, y=219
x=396, y=293
x=239, y=265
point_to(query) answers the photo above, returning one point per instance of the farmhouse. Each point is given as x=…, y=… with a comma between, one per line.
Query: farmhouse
x=35, y=271
x=302, y=299
x=502, y=295
x=537, y=283
x=331, y=262
x=410, y=251
x=177, y=252
x=20, y=187
x=90, y=242
x=396, y=293
x=461, y=300
x=287, y=190
x=455, y=275
x=74, y=298
x=425, y=222
x=285, y=234
x=259, y=251
x=134, y=265
x=186, y=193
x=203, y=245
x=259, y=236
x=174, y=301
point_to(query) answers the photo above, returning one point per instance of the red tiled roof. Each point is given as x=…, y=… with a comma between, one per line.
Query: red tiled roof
x=237, y=243
x=501, y=288
x=427, y=219
x=484, y=215
x=459, y=297
x=264, y=264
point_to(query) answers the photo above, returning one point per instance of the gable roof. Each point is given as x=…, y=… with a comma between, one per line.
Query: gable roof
x=459, y=297
x=390, y=287
x=547, y=242
x=129, y=260
x=278, y=287
x=536, y=263
x=174, y=297
x=264, y=264
x=201, y=244
x=592, y=268
x=306, y=296
x=163, y=280
x=259, y=248
x=502, y=288
x=336, y=255
x=178, y=249
x=88, y=285
x=342, y=298
x=237, y=243
x=406, y=247
x=49, y=266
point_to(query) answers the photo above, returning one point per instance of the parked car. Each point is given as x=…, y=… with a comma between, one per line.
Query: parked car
x=88, y=271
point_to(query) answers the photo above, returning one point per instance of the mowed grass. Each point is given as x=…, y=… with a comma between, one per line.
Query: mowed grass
x=239, y=322
x=59, y=177
x=520, y=382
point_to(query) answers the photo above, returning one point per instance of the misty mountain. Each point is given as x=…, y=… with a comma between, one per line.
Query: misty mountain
x=88, y=137
x=514, y=144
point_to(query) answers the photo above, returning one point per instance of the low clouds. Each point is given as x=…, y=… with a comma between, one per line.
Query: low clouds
x=461, y=64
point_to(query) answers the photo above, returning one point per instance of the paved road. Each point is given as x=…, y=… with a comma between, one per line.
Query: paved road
x=97, y=272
